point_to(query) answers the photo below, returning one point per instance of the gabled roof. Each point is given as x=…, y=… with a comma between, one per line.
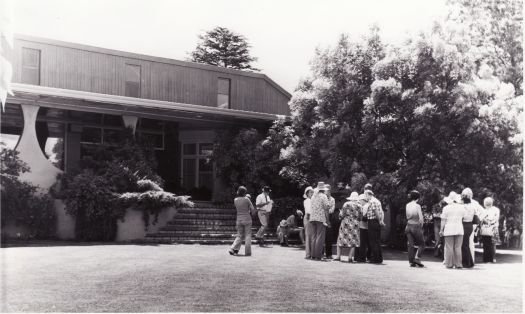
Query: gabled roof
x=132, y=55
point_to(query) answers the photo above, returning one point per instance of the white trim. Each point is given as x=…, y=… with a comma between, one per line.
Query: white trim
x=136, y=102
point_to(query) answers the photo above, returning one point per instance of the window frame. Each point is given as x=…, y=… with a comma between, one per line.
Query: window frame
x=37, y=69
x=220, y=93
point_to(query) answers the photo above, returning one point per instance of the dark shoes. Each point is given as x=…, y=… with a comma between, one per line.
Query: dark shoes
x=284, y=244
x=233, y=252
x=416, y=263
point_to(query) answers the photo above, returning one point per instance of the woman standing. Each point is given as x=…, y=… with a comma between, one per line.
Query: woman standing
x=414, y=230
x=467, y=259
x=349, y=229
x=452, y=231
x=244, y=223
x=308, y=192
x=489, y=230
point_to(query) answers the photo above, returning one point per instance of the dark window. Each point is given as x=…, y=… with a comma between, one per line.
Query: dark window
x=91, y=135
x=189, y=173
x=86, y=117
x=112, y=136
x=189, y=149
x=150, y=124
x=154, y=139
x=205, y=149
x=113, y=120
x=30, y=66
x=223, y=93
x=132, y=80
x=12, y=125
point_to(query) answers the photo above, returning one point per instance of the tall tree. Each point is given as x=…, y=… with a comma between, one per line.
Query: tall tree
x=225, y=48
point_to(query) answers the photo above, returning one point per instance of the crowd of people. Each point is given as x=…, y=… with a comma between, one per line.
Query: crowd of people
x=361, y=218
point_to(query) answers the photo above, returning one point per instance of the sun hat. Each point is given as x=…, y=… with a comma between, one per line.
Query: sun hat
x=369, y=192
x=448, y=200
x=362, y=197
x=467, y=192
x=455, y=197
x=320, y=186
x=353, y=196
x=308, y=188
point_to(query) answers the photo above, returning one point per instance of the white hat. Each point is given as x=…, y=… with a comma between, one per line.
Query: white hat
x=354, y=196
x=320, y=186
x=455, y=197
x=309, y=188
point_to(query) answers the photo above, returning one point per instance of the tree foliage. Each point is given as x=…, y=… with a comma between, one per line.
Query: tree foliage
x=246, y=157
x=225, y=48
x=21, y=202
x=439, y=112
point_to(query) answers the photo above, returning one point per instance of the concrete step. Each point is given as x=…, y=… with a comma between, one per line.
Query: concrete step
x=199, y=228
x=203, y=216
x=194, y=222
x=199, y=210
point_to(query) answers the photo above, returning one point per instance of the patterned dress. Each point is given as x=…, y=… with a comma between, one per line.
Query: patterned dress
x=349, y=230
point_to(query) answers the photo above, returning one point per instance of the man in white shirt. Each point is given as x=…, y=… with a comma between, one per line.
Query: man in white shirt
x=264, y=207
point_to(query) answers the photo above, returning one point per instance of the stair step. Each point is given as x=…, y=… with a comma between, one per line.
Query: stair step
x=198, y=228
x=201, y=216
x=194, y=222
x=199, y=210
x=198, y=234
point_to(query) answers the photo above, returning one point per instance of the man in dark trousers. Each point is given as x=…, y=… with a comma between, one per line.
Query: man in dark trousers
x=375, y=221
x=329, y=235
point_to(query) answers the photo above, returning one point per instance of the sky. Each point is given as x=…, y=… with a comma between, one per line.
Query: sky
x=283, y=33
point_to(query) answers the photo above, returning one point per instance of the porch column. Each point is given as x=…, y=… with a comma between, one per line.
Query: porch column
x=42, y=172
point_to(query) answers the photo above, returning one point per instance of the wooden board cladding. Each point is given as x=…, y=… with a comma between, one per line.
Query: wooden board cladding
x=101, y=72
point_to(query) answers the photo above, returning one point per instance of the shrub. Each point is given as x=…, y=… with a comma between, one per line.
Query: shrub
x=110, y=180
x=21, y=202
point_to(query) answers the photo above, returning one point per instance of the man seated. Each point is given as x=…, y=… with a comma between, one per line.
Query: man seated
x=289, y=225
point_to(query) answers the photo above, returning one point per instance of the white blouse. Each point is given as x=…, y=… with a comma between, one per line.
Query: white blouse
x=453, y=215
x=307, y=206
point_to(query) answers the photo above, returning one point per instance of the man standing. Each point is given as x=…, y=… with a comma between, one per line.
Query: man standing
x=414, y=230
x=320, y=205
x=363, y=252
x=329, y=231
x=375, y=222
x=264, y=207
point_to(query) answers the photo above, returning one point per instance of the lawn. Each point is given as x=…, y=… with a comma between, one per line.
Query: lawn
x=188, y=278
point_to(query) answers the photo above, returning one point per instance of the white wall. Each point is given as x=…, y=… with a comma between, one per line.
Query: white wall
x=132, y=227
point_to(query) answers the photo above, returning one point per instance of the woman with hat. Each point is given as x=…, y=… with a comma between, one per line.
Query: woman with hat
x=308, y=192
x=349, y=229
x=452, y=230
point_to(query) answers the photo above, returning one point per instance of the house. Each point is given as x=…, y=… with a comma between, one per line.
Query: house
x=68, y=96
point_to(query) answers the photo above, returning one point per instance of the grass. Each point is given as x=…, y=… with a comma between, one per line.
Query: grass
x=189, y=278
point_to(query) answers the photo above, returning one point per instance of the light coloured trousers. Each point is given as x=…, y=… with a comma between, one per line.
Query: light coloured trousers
x=244, y=232
x=317, y=237
x=453, y=250
x=264, y=217
x=307, y=237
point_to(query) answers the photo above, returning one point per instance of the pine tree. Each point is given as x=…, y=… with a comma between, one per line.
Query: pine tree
x=224, y=48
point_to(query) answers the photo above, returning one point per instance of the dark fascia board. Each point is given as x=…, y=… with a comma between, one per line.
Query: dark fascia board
x=138, y=56
x=43, y=91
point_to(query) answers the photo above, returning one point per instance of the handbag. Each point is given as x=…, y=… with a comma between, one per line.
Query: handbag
x=487, y=230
